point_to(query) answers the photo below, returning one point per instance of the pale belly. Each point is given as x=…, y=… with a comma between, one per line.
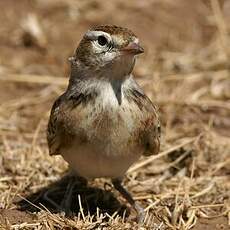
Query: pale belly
x=91, y=162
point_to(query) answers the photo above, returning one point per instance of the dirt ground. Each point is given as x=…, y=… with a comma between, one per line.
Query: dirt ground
x=185, y=70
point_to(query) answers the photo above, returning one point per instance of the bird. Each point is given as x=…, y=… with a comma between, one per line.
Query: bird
x=104, y=122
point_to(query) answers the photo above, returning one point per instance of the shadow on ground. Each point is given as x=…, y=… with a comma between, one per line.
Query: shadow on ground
x=64, y=196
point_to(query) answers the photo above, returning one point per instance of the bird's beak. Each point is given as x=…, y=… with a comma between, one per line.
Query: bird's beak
x=133, y=48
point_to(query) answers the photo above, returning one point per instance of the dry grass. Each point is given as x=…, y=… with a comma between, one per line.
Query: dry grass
x=187, y=182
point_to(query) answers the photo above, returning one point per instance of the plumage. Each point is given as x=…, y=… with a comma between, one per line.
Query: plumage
x=97, y=120
x=104, y=122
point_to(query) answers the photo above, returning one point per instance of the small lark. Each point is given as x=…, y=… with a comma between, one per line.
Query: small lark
x=104, y=122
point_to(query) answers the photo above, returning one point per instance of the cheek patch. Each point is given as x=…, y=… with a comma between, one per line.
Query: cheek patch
x=108, y=57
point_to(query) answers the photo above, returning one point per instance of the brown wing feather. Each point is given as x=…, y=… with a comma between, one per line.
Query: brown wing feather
x=60, y=127
x=149, y=132
x=53, y=137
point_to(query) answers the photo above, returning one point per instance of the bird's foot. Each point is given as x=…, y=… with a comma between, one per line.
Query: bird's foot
x=141, y=213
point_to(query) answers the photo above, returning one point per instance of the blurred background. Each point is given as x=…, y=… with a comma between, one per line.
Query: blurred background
x=180, y=37
x=184, y=70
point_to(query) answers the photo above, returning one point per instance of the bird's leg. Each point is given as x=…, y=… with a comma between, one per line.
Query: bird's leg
x=140, y=211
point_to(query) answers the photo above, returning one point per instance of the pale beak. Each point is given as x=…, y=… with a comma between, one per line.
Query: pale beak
x=133, y=48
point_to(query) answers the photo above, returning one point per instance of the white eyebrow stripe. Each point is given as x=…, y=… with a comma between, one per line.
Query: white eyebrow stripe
x=94, y=34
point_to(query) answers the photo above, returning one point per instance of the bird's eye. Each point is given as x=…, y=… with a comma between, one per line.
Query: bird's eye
x=102, y=41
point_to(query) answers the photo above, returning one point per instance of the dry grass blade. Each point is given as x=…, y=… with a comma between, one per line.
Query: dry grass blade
x=25, y=226
x=81, y=209
x=202, y=104
x=162, y=154
x=35, y=79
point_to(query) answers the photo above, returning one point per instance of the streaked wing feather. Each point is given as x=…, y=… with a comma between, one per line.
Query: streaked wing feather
x=150, y=129
x=53, y=137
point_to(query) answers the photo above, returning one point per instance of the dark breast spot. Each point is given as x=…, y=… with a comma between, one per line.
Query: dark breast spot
x=83, y=99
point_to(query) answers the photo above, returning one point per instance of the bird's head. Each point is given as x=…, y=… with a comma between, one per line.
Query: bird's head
x=109, y=51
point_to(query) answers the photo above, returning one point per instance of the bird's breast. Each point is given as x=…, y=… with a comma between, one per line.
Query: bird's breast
x=111, y=122
x=109, y=146
x=105, y=143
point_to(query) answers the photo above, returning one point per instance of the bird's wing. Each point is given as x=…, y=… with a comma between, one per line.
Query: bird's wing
x=149, y=130
x=53, y=132
x=151, y=137
x=64, y=118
